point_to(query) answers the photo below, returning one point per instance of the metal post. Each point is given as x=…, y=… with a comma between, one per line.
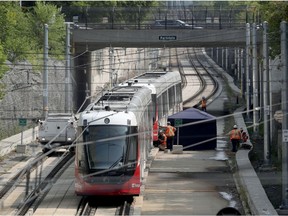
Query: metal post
x=223, y=57
x=217, y=55
x=22, y=135
x=220, y=20
x=67, y=70
x=239, y=64
x=226, y=59
x=27, y=181
x=192, y=16
x=266, y=92
x=178, y=132
x=255, y=79
x=284, y=56
x=111, y=56
x=45, y=72
x=139, y=17
x=170, y=64
x=248, y=41
x=234, y=62
x=242, y=67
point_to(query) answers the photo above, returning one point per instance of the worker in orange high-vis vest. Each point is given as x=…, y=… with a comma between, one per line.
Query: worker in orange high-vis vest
x=162, y=141
x=235, y=137
x=170, y=133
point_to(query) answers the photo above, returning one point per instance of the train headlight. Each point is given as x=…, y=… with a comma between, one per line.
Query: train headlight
x=106, y=120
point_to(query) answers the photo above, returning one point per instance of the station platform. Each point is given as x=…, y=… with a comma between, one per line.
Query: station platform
x=191, y=183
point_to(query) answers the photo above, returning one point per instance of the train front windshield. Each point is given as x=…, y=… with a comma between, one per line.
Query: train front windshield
x=109, y=146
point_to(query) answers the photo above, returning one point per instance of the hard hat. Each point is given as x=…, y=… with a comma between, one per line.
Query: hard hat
x=203, y=97
x=169, y=123
x=235, y=126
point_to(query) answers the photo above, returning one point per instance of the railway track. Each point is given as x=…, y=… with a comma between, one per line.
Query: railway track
x=31, y=182
x=105, y=206
x=209, y=83
x=195, y=76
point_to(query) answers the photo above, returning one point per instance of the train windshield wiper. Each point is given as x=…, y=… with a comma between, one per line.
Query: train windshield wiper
x=117, y=162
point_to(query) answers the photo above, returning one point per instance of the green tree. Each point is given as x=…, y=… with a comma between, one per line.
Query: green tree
x=3, y=67
x=44, y=13
x=274, y=13
x=94, y=11
x=22, y=31
x=13, y=33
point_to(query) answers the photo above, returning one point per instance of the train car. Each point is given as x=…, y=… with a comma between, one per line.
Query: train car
x=164, y=102
x=115, y=135
x=57, y=129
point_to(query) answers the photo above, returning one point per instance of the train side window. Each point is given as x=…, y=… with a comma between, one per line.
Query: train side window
x=165, y=102
x=160, y=106
x=178, y=94
x=171, y=97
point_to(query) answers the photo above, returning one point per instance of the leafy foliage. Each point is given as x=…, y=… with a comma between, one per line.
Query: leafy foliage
x=3, y=67
x=271, y=11
x=22, y=32
x=50, y=15
x=274, y=13
x=114, y=10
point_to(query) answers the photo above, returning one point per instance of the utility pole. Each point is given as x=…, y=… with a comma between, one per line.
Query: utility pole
x=266, y=91
x=248, y=98
x=284, y=96
x=255, y=79
x=67, y=71
x=45, y=72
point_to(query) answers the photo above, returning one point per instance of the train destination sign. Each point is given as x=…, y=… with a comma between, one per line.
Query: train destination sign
x=163, y=37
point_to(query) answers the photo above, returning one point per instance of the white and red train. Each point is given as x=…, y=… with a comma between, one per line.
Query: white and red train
x=116, y=133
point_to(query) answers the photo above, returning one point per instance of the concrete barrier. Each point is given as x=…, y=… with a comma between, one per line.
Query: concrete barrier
x=177, y=149
x=258, y=201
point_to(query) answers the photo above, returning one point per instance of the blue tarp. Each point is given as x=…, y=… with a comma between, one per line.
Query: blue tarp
x=197, y=130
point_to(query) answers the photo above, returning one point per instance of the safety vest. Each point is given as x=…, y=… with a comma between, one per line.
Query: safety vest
x=235, y=134
x=170, y=131
x=163, y=139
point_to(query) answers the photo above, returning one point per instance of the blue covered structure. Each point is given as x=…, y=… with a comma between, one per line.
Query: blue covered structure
x=197, y=130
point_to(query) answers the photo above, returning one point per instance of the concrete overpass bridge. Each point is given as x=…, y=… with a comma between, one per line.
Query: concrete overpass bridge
x=93, y=39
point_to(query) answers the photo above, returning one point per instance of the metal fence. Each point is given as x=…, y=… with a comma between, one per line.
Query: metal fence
x=144, y=18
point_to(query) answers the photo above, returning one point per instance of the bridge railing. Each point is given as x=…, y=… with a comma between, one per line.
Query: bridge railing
x=144, y=18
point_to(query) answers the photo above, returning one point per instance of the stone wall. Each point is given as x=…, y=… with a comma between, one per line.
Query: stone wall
x=23, y=94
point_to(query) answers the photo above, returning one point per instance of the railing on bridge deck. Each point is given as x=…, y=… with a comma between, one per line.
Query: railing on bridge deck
x=144, y=18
